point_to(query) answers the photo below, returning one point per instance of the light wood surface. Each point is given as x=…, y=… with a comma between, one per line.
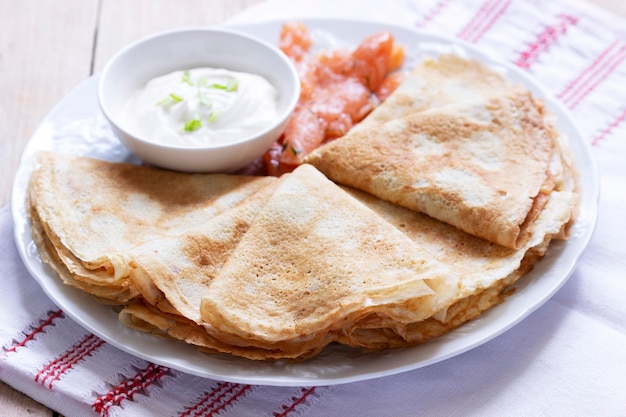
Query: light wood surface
x=48, y=48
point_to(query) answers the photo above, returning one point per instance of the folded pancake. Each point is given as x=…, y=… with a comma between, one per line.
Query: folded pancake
x=144, y=317
x=485, y=168
x=111, y=294
x=92, y=212
x=180, y=269
x=484, y=271
x=313, y=260
x=435, y=82
x=478, y=274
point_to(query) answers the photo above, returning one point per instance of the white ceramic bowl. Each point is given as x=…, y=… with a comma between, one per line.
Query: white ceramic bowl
x=165, y=52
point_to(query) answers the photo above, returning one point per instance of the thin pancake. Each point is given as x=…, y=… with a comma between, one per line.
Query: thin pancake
x=314, y=259
x=182, y=268
x=146, y=318
x=110, y=294
x=448, y=79
x=482, y=168
x=485, y=273
x=94, y=212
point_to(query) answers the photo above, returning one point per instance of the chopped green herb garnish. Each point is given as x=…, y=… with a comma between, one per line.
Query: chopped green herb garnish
x=295, y=151
x=231, y=86
x=218, y=86
x=172, y=98
x=202, y=82
x=212, y=117
x=193, y=124
x=203, y=99
x=187, y=77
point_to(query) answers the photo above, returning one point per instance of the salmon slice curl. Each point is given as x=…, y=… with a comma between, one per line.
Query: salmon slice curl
x=339, y=88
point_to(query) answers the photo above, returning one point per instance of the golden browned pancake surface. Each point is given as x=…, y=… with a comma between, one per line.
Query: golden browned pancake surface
x=483, y=166
x=93, y=213
x=315, y=256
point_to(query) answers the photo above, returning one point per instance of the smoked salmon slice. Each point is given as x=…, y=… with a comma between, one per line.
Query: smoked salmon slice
x=339, y=88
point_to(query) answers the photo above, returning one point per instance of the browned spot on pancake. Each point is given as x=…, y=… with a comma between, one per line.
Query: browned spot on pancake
x=206, y=251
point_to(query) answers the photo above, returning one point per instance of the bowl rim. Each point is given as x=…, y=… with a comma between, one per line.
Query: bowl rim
x=280, y=119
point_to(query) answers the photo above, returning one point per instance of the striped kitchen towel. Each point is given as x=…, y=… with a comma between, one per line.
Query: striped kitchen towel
x=566, y=359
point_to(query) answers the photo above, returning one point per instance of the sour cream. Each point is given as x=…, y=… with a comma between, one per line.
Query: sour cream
x=202, y=106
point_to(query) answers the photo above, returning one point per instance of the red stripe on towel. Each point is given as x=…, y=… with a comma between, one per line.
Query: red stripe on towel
x=595, y=63
x=606, y=131
x=211, y=398
x=215, y=400
x=242, y=390
x=596, y=78
x=428, y=17
x=51, y=317
x=295, y=401
x=479, y=15
x=544, y=40
x=60, y=365
x=591, y=76
x=490, y=22
x=128, y=388
x=483, y=20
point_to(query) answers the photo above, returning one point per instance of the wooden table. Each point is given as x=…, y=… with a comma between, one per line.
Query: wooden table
x=48, y=48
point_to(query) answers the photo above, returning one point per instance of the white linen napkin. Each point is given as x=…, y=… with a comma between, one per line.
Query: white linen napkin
x=566, y=359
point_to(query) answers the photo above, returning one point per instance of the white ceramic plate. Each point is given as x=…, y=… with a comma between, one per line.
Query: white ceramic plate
x=75, y=126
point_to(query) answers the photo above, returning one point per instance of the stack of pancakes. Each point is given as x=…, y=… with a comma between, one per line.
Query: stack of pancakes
x=413, y=223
